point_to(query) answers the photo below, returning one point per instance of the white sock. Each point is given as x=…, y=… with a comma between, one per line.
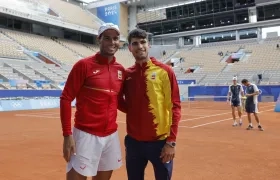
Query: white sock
x=259, y=124
x=250, y=124
x=240, y=120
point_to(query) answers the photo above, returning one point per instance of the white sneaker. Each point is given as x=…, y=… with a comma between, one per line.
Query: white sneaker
x=240, y=123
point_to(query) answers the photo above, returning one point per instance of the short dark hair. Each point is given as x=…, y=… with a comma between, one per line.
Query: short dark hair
x=244, y=81
x=137, y=33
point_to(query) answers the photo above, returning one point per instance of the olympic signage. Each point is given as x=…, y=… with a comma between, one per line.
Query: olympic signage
x=16, y=104
x=184, y=81
x=48, y=103
x=11, y=105
x=44, y=103
x=109, y=13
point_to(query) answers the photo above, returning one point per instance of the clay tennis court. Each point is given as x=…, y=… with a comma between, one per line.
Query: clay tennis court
x=209, y=148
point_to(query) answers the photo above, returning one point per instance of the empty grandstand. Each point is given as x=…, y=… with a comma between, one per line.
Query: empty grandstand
x=206, y=43
x=209, y=43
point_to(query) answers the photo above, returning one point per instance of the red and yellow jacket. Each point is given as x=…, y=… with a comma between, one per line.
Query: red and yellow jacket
x=96, y=85
x=152, y=102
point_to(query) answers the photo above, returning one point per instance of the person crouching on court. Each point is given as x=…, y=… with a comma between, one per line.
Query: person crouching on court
x=153, y=111
x=95, y=82
x=235, y=92
x=251, y=104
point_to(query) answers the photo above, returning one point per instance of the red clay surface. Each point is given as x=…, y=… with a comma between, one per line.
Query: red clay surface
x=209, y=148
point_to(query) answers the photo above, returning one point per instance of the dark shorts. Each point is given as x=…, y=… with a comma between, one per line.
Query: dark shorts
x=138, y=154
x=235, y=102
x=251, y=108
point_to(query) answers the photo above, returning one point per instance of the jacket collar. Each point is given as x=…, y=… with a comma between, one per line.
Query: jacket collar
x=103, y=60
x=146, y=63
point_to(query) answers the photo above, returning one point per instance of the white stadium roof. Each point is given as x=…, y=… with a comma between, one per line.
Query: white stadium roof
x=147, y=3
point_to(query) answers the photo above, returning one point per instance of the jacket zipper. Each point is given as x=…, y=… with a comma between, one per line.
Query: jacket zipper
x=141, y=91
x=110, y=89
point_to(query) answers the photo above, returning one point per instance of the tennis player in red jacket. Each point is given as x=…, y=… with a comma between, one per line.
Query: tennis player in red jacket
x=153, y=111
x=95, y=82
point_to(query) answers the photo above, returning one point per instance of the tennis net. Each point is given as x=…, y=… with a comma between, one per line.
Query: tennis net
x=208, y=102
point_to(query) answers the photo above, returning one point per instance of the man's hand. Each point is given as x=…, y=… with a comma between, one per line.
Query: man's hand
x=69, y=148
x=247, y=95
x=167, y=153
x=228, y=100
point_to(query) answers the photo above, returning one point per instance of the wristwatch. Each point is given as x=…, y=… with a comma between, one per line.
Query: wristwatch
x=172, y=144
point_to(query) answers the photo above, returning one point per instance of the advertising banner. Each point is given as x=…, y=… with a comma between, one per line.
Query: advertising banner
x=29, y=93
x=186, y=82
x=44, y=103
x=109, y=13
x=12, y=105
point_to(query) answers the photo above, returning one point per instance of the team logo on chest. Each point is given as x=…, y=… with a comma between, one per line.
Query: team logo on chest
x=153, y=76
x=96, y=71
x=120, y=75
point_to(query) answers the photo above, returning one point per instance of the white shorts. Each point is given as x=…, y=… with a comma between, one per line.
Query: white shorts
x=95, y=153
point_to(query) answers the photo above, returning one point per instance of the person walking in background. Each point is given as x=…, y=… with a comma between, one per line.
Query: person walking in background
x=153, y=110
x=95, y=82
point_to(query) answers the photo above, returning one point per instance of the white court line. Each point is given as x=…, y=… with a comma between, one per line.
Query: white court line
x=184, y=126
x=214, y=122
x=123, y=122
x=41, y=113
x=73, y=113
x=193, y=114
x=57, y=113
x=213, y=115
x=31, y=115
x=46, y=113
x=199, y=109
x=28, y=115
x=201, y=117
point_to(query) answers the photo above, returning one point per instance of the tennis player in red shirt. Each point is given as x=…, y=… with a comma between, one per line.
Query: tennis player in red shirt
x=153, y=110
x=94, y=147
